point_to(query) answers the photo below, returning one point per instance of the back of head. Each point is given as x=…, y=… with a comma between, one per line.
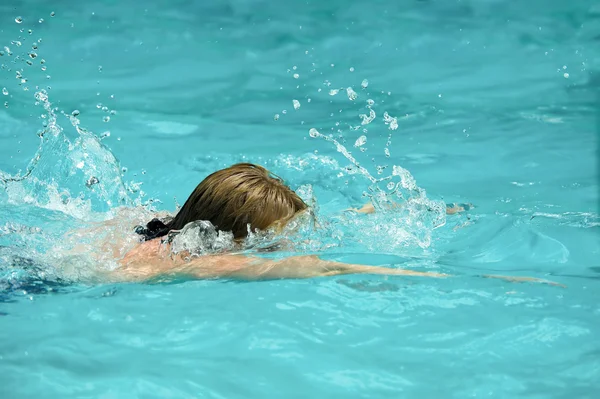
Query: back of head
x=237, y=197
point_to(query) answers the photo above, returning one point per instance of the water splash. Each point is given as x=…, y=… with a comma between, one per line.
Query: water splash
x=200, y=238
x=410, y=216
x=314, y=133
x=56, y=179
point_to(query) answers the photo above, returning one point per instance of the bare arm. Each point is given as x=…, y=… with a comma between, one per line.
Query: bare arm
x=139, y=268
x=308, y=266
x=450, y=210
x=248, y=268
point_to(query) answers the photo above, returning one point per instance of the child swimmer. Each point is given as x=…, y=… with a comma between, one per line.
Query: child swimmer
x=241, y=198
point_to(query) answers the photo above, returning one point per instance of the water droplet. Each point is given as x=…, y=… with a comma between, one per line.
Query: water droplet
x=99, y=68
x=41, y=96
x=34, y=46
x=351, y=69
x=124, y=170
x=29, y=31
x=362, y=140
x=52, y=14
x=1, y=53
x=19, y=20
x=276, y=117
x=566, y=75
x=333, y=92
x=105, y=135
x=391, y=185
x=284, y=111
x=75, y=112
x=296, y=76
x=364, y=84
x=113, y=112
x=351, y=94
x=296, y=104
x=313, y=133
x=6, y=104
x=44, y=68
x=28, y=62
x=42, y=61
x=387, y=152
x=370, y=102
x=5, y=91
x=391, y=121
x=41, y=20
x=99, y=105
x=92, y=181
x=105, y=108
x=32, y=55
x=294, y=67
x=366, y=119
x=106, y=119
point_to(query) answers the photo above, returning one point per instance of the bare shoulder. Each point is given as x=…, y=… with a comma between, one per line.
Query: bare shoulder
x=152, y=259
x=142, y=252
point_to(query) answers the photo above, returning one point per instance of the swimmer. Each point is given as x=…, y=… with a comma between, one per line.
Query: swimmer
x=238, y=199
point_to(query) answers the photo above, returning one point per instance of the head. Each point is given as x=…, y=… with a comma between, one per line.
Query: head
x=237, y=197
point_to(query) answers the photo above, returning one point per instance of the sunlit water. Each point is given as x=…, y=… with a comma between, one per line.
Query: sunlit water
x=489, y=102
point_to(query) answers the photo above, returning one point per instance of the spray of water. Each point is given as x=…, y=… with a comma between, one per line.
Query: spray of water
x=72, y=187
x=404, y=215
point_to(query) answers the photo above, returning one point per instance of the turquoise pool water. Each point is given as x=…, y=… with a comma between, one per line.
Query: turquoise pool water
x=496, y=104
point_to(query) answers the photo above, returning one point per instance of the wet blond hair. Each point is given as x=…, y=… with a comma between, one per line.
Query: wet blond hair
x=234, y=199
